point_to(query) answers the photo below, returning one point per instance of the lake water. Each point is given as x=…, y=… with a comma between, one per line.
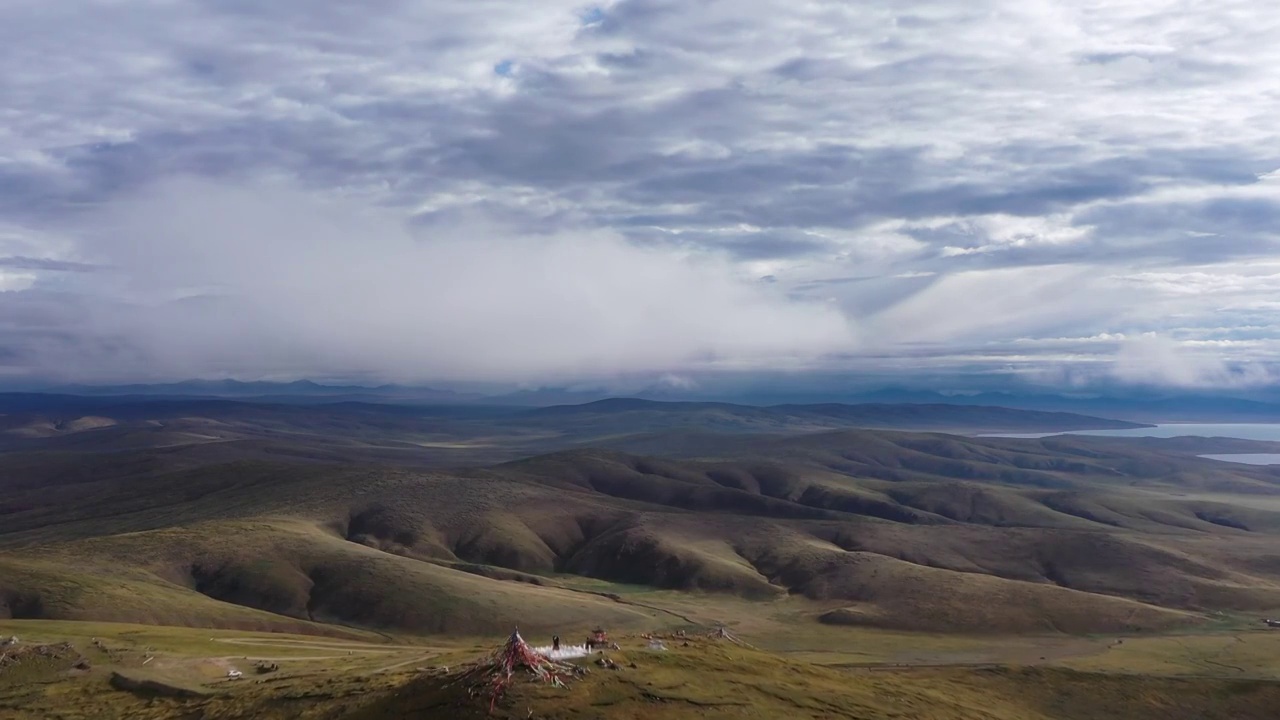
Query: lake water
x=1242, y=431
x=1248, y=458
x=1269, y=432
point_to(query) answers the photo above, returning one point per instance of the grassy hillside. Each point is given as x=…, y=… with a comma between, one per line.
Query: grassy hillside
x=284, y=571
x=253, y=514
x=861, y=528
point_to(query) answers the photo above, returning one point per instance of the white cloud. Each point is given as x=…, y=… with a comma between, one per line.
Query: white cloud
x=994, y=233
x=971, y=306
x=677, y=382
x=258, y=280
x=1201, y=282
x=15, y=281
x=1100, y=338
x=963, y=177
x=1151, y=359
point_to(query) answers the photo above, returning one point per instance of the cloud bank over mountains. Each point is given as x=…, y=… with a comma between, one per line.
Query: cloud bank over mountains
x=1065, y=192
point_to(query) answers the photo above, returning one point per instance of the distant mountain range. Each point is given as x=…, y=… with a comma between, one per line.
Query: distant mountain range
x=916, y=416
x=1171, y=408
x=1184, y=406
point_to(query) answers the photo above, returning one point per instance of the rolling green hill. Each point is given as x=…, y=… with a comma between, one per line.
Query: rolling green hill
x=357, y=523
x=853, y=527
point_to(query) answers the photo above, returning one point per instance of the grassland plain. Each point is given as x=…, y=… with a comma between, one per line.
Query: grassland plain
x=847, y=555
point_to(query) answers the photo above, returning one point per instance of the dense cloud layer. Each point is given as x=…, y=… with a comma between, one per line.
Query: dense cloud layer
x=530, y=192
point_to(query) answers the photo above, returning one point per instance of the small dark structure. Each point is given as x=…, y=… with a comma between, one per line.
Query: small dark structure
x=599, y=638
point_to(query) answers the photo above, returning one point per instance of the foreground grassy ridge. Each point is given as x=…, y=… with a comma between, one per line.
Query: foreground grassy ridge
x=722, y=682
x=193, y=662
x=352, y=680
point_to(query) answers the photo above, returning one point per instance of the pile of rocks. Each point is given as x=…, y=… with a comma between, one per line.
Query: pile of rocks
x=12, y=653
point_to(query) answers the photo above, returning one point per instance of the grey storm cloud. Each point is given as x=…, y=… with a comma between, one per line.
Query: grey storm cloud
x=951, y=182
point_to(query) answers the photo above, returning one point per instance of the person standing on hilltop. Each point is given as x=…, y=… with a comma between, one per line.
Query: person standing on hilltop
x=555, y=643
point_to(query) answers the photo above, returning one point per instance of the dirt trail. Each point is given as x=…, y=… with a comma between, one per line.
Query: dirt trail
x=410, y=661
x=421, y=653
x=291, y=658
x=623, y=601
x=905, y=667
x=323, y=644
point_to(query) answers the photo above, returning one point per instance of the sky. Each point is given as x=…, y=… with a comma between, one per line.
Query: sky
x=1068, y=194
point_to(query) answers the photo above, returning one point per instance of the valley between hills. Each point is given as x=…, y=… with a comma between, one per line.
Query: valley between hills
x=874, y=561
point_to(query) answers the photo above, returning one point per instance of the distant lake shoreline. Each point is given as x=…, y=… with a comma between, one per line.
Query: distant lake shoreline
x=1247, y=458
x=1264, y=432
x=1267, y=432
